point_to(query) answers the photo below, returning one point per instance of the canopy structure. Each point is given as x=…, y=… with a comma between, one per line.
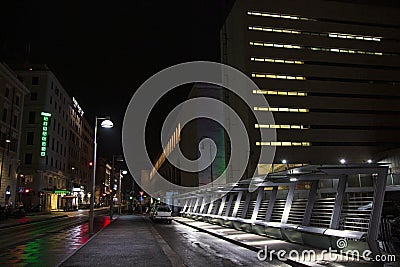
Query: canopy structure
x=314, y=205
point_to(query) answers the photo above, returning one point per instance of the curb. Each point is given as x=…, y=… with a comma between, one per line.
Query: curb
x=83, y=245
x=288, y=261
x=5, y=226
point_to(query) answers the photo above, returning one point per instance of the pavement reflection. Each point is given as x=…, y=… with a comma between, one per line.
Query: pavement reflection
x=52, y=248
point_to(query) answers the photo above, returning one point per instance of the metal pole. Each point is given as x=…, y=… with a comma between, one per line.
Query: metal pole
x=119, y=193
x=91, y=212
x=112, y=189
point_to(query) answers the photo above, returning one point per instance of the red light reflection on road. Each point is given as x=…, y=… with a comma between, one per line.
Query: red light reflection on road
x=23, y=220
x=106, y=221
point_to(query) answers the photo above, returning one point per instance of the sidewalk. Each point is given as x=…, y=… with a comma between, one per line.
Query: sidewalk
x=129, y=241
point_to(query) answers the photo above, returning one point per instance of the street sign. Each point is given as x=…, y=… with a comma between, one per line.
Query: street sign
x=21, y=190
x=141, y=193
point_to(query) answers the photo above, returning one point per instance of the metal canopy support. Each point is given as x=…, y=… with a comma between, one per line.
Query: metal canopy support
x=228, y=208
x=237, y=204
x=288, y=205
x=246, y=204
x=210, y=207
x=190, y=205
x=196, y=204
x=258, y=203
x=185, y=206
x=337, y=208
x=271, y=204
x=203, y=204
x=375, y=219
x=312, y=195
x=195, y=200
x=221, y=207
x=216, y=205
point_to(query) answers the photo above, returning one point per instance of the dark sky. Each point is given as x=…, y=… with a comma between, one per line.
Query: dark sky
x=102, y=51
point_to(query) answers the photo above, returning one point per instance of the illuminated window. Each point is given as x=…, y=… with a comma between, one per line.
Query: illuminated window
x=277, y=76
x=280, y=126
x=272, y=92
x=274, y=30
x=281, y=109
x=275, y=15
x=272, y=60
x=355, y=37
x=285, y=143
x=325, y=34
x=336, y=50
x=289, y=46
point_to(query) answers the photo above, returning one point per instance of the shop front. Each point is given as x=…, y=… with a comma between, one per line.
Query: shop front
x=57, y=200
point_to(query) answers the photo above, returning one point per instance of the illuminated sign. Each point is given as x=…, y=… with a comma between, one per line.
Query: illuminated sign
x=45, y=124
x=76, y=105
x=61, y=192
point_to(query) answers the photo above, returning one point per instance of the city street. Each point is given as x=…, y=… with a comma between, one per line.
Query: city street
x=128, y=241
x=47, y=242
x=200, y=133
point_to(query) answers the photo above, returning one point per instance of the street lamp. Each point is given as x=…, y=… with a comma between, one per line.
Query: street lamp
x=106, y=123
x=119, y=190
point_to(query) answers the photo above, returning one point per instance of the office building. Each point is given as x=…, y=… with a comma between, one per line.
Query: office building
x=330, y=73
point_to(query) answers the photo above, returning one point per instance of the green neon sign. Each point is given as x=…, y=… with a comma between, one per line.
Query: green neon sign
x=45, y=114
x=61, y=192
x=45, y=124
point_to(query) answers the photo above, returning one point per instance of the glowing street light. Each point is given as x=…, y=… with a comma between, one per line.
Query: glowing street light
x=342, y=161
x=106, y=123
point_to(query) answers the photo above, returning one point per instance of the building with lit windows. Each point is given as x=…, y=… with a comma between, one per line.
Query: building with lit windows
x=330, y=73
x=12, y=93
x=80, y=150
x=55, y=144
x=103, y=181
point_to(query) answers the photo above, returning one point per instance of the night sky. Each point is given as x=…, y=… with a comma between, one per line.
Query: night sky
x=102, y=51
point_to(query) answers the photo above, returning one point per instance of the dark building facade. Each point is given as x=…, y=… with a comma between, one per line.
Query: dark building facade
x=329, y=71
x=56, y=141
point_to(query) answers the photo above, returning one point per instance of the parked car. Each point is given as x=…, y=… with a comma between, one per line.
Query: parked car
x=161, y=213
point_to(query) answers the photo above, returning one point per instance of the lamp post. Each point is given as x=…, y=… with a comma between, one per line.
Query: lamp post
x=119, y=190
x=114, y=158
x=106, y=123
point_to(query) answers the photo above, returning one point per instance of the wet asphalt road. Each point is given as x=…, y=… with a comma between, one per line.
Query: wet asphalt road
x=48, y=243
x=201, y=249
x=45, y=243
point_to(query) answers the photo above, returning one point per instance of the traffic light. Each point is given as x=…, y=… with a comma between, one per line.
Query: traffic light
x=90, y=164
